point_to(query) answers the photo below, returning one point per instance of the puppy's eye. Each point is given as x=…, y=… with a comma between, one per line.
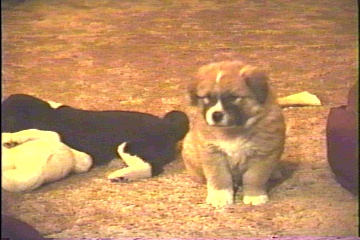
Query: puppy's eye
x=205, y=99
x=234, y=98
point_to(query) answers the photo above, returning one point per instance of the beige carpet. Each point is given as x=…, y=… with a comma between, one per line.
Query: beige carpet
x=139, y=55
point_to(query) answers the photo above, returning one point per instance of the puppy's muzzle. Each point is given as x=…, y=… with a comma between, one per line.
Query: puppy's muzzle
x=216, y=115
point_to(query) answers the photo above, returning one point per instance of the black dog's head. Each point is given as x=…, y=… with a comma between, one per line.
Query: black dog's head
x=21, y=111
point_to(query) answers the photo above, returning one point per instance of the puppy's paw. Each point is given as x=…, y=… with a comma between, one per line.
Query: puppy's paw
x=220, y=198
x=256, y=200
x=122, y=175
x=118, y=176
x=137, y=167
x=130, y=174
x=54, y=105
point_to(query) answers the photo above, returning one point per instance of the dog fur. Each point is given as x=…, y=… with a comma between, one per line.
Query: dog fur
x=31, y=158
x=237, y=132
x=143, y=137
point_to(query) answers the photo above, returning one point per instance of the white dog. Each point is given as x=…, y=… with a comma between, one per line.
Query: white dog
x=33, y=157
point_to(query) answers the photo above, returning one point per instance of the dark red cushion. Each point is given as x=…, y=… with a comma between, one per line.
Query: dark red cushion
x=342, y=143
x=353, y=98
x=12, y=228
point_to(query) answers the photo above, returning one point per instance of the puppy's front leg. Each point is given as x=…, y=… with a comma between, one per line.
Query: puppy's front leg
x=137, y=167
x=254, y=180
x=220, y=190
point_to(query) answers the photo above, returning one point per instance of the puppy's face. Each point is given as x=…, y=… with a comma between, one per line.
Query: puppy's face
x=230, y=94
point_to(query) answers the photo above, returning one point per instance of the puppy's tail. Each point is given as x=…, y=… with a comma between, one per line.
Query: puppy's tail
x=179, y=124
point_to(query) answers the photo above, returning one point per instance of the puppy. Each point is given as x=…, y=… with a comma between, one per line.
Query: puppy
x=237, y=132
x=31, y=158
x=147, y=141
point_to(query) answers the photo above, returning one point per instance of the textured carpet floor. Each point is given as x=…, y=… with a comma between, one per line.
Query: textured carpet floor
x=139, y=55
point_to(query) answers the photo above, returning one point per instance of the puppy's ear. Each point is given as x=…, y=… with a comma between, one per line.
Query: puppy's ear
x=257, y=81
x=192, y=94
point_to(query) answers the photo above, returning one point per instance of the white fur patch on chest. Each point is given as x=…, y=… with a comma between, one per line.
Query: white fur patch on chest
x=237, y=149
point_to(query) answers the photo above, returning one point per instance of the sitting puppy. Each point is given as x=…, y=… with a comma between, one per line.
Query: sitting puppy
x=32, y=157
x=237, y=135
x=147, y=142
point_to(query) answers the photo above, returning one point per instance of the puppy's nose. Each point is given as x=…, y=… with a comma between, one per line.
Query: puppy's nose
x=217, y=116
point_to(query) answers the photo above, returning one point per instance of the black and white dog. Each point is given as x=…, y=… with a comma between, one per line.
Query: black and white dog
x=145, y=142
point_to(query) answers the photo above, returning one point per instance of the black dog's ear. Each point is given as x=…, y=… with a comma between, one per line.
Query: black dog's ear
x=257, y=81
x=22, y=111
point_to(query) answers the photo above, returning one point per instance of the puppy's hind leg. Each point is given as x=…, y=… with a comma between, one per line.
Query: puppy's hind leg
x=18, y=180
x=82, y=161
x=137, y=167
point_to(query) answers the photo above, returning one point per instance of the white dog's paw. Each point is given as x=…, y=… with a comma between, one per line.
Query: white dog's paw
x=220, y=198
x=82, y=161
x=256, y=200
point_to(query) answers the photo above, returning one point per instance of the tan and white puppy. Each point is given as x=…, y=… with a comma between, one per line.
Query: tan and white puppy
x=237, y=132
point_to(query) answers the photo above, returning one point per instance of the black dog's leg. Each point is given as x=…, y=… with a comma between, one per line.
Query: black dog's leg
x=137, y=167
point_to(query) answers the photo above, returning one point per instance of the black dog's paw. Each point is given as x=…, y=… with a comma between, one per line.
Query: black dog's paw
x=119, y=179
x=129, y=174
x=121, y=176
